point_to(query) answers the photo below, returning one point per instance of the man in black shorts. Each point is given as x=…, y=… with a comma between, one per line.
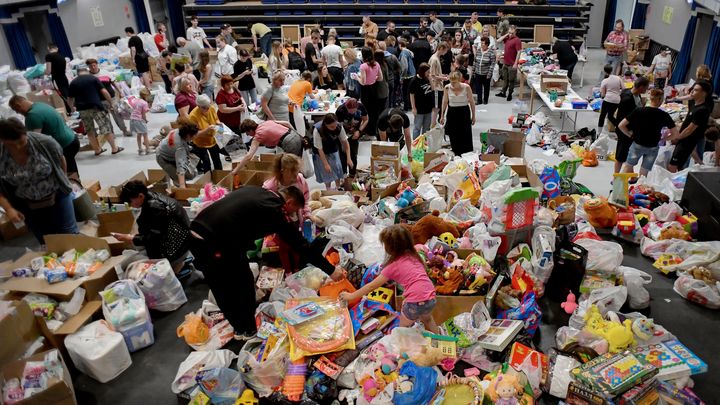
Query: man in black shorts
x=139, y=56
x=55, y=65
x=394, y=126
x=629, y=101
x=693, y=127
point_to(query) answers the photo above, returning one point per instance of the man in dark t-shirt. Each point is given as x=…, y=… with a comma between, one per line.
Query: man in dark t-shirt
x=86, y=95
x=354, y=118
x=393, y=125
x=566, y=56
x=55, y=65
x=311, y=53
x=139, y=56
x=693, y=127
x=421, y=49
x=645, y=126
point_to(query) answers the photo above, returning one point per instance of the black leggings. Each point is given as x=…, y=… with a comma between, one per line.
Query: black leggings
x=354, y=144
x=482, y=88
x=607, y=110
x=208, y=156
x=168, y=84
x=373, y=106
x=69, y=153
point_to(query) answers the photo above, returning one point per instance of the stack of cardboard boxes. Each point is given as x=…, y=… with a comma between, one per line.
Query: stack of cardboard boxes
x=639, y=43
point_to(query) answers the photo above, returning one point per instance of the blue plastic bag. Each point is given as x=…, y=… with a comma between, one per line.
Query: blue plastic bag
x=528, y=312
x=423, y=381
x=551, y=183
x=35, y=71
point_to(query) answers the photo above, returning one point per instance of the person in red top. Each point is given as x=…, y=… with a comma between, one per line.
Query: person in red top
x=230, y=104
x=616, y=44
x=161, y=37
x=513, y=45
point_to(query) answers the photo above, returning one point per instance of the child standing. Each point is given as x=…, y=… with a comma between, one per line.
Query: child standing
x=405, y=267
x=138, y=120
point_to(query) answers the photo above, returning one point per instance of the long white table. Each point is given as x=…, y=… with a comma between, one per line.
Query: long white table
x=316, y=115
x=564, y=110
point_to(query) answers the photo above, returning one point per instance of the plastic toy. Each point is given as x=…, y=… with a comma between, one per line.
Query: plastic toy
x=689, y=223
x=600, y=213
x=618, y=336
x=590, y=158
x=665, y=260
x=568, y=168
x=448, y=238
x=625, y=223
x=459, y=390
x=520, y=207
x=504, y=389
x=643, y=328
x=294, y=383
x=570, y=304
x=619, y=193
x=381, y=294
x=247, y=398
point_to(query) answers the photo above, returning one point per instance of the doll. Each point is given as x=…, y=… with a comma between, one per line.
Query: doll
x=504, y=389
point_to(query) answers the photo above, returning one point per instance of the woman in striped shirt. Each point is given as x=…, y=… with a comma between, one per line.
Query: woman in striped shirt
x=483, y=70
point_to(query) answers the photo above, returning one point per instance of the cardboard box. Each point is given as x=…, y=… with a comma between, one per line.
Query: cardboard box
x=383, y=164
x=635, y=33
x=92, y=187
x=377, y=193
x=514, y=146
x=126, y=62
x=8, y=230
x=154, y=72
x=435, y=162
x=108, y=222
x=112, y=193
x=48, y=97
x=59, y=392
x=528, y=178
x=381, y=149
x=192, y=190
x=18, y=330
x=556, y=82
x=448, y=306
x=258, y=165
x=268, y=157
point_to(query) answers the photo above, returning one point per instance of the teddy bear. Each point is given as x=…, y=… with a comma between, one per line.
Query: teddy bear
x=703, y=274
x=674, y=232
x=450, y=282
x=428, y=357
x=429, y=226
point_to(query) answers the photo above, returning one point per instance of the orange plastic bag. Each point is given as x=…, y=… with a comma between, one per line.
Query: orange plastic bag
x=590, y=158
x=194, y=330
x=600, y=213
x=333, y=290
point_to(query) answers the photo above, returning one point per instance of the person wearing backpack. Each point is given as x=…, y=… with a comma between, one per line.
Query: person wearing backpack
x=295, y=60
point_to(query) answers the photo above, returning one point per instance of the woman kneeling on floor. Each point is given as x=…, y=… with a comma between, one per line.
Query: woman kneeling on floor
x=163, y=226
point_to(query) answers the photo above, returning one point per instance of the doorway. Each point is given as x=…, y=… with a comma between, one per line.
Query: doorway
x=35, y=24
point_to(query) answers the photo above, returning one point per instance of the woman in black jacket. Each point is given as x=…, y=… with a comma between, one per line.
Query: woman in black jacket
x=163, y=226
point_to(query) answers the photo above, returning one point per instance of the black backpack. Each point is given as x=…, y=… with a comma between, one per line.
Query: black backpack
x=295, y=61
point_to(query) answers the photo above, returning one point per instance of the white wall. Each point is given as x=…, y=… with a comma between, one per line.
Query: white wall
x=597, y=17
x=668, y=34
x=76, y=18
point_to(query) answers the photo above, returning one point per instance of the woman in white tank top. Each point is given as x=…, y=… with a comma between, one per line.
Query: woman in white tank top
x=458, y=114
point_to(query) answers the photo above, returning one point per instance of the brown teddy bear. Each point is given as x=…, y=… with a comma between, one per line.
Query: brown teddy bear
x=703, y=274
x=429, y=226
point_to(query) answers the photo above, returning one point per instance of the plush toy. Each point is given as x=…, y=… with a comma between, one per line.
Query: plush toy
x=618, y=336
x=505, y=389
x=600, y=213
x=450, y=282
x=477, y=271
x=463, y=243
x=674, y=232
x=429, y=226
x=589, y=158
x=429, y=356
x=702, y=274
x=448, y=238
x=406, y=198
x=570, y=304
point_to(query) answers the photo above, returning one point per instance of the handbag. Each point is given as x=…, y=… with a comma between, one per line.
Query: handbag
x=261, y=113
x=46, y=202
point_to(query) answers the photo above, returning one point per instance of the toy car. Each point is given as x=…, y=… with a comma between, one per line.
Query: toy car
x=626, y=222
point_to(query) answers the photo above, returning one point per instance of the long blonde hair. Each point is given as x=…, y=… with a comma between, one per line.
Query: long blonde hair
x=703, y=73
x=277, y=53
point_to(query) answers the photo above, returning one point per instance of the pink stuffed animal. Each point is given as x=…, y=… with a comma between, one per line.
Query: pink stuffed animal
x=569, y=305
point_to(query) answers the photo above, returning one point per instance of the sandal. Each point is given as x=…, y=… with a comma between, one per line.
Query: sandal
x=101, y=152
x=119, y=149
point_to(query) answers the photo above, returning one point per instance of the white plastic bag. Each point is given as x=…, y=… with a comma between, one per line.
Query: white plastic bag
x=603, y=256
x=157, y=280
x=346, y=211
x=263, y=377
x=601, y=145
x=667, y=212
x=698, y=291
x=372, y=250
x=307, y=165
x=543, y=246
x=434, y=138
x=196, y=362
x=98, y=351
x=341, y=233
x=427, y=191
x=474, y=323
x=606, y=299
x=635, y=281
x=123, y=306
x=464, y=211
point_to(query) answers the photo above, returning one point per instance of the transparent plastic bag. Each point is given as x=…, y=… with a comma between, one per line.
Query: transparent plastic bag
x=193, y=330
x=372, y=250
x=543, y=246
x=265, y=376
x=157, y=280
x=346, y=211
x=667, y=212
x=606, y=299
x=196, y=362
x=310, y=277
x=341, y=233
x=635, y=281
x=464, y=211
x=603, y=256
x=469, y=326
x=698, y=291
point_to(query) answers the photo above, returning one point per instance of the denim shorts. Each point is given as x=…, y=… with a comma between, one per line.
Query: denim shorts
x=648, y=155
x=415, y=310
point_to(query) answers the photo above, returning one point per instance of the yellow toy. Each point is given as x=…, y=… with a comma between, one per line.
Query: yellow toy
x=429, y=356
x=447, y=238
x=666, y=260
x=619, y=337
x=247, y=398
x=381, y=294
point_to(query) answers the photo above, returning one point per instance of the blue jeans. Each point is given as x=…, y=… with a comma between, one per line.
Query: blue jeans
x=648, y=156
x=422, y=124
x=56, y=219
x=416, y=310
x=615, y=61
x=265, y=43
x=250, y=96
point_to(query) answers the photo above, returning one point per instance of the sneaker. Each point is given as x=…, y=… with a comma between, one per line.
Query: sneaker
x=185, y=272
x=244, y=336
x=141, y=152
x=501, y=94
x=509, y=97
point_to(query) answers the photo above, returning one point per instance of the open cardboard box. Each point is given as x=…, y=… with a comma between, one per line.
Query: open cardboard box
x=59, y=392
x=381, y=149
x=192, y=190
x=9, y=231
x=108, y=222
x=112, y=193
x=18, y=330
x=528, y=178
x=377, y=193
x=448, y=306
x=435, y=161
x=514, y=146
x=92, y=187
x=63, y=291
x=551, y=81
x=257, y=165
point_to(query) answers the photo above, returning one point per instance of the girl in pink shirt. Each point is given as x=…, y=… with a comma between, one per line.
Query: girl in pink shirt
x=406, y=268
x=286, y=173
